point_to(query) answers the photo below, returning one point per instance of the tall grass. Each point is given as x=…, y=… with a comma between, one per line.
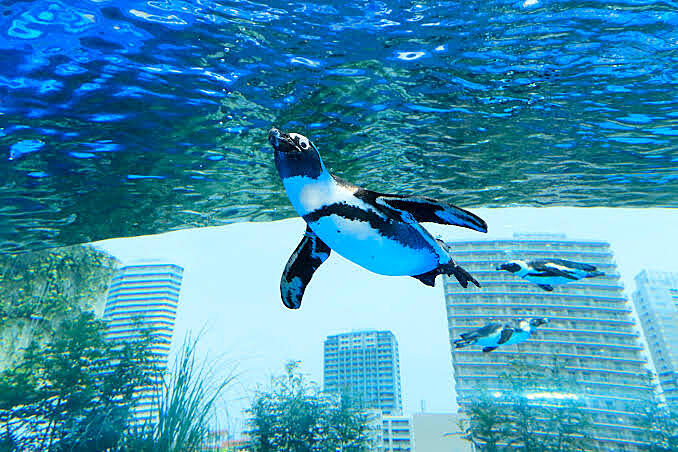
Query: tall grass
x=187, y=405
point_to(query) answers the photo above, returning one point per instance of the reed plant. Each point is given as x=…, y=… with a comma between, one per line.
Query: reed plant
x=187, y=402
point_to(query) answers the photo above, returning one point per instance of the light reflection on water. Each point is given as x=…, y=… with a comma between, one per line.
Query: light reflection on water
x=131, y=118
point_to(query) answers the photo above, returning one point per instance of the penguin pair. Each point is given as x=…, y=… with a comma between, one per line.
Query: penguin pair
x=494, y=335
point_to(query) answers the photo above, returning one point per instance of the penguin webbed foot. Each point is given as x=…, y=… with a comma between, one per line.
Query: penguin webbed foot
x=462, y=275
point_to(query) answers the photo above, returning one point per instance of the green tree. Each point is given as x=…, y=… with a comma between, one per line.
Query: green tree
x=536, y=409
x=660, y=426
x=295, y=416
x=486, y=424
x=75, y=392
x=64, y=387
x=39, y=290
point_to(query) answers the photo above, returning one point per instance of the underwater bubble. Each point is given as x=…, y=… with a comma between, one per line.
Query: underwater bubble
x=409, y=56
x=20, y=29
x=24, y=147
x=106, y=117
x=235, y=129
x=637, y=118
x=346, y=72
x=663, y=131
x=81, y=155
x=37, y=174
x=140, y=176
x=305, y=61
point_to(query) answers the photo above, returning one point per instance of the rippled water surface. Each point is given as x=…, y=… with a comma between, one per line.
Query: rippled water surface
x=130, y=117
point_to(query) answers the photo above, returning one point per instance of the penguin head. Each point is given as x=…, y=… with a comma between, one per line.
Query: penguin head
x=535, y=322
x=295, y=155
x=512, y=266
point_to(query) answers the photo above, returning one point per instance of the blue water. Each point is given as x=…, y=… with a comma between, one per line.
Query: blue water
x=129, y=117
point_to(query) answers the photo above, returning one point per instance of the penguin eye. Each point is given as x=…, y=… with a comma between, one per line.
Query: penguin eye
x=300, y=141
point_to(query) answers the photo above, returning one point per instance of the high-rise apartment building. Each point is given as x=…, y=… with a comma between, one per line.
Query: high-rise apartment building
x=143, y=299
x=396, y=434
x=656, y=300
x=365, y=366
x=590, y=331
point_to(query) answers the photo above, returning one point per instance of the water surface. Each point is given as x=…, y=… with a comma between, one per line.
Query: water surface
x=123, y=118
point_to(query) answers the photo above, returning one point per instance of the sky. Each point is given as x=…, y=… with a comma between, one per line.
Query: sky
x=230, y=293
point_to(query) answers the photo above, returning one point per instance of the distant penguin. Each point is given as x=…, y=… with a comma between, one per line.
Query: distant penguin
x=494, y=335
x=547, y=273
x=377, y=231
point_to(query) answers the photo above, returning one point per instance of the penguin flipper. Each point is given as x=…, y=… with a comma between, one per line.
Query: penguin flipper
x=304, y=261
x=546, y=287
x=506, y=334
x=488, y=349
x=461, y=343
x=482, y=331
x=432, y=211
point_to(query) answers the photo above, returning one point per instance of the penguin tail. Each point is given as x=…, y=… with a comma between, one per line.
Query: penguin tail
x=464, y=277
x=595, y=273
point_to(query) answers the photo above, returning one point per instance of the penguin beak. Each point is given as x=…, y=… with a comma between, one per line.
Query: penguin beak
x=500, y=267
x=274, y=137
x=280, y=141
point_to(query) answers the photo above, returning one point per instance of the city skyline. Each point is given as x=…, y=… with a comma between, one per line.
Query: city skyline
x=590, y=334
x=655, y=300
x=231, y=290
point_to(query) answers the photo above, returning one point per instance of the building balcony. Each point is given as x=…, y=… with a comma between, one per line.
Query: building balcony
x=548, y=354
x=489, y=315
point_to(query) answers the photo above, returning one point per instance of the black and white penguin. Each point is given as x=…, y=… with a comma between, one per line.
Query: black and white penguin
x=493, y=335
x=547, y=273
x=377, y=231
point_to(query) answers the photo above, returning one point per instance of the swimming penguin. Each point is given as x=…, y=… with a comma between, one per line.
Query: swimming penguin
x=549, y=272
x=377, y=231
x=493, y=335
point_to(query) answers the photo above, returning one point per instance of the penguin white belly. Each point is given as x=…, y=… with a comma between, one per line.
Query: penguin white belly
x=359, y=242
x=408, y=250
